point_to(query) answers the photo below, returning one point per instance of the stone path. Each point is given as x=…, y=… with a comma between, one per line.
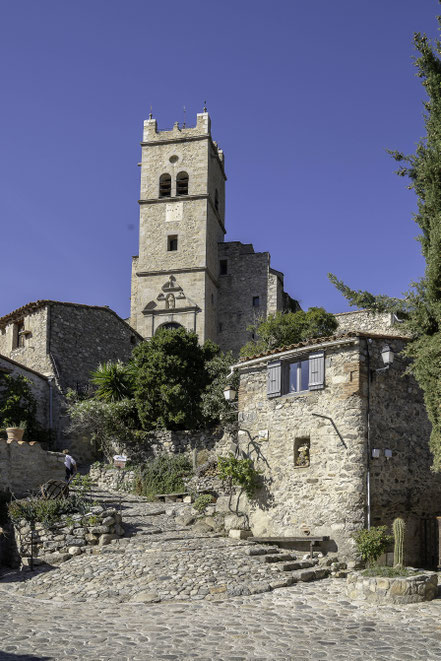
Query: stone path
x=94, y=620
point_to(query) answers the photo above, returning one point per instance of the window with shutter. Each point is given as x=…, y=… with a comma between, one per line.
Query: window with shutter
x=316, y=371
x=274, y=382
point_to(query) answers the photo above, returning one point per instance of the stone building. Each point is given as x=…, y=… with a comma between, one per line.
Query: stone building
x=185, y=274
x=62, y=343
x=343, y=442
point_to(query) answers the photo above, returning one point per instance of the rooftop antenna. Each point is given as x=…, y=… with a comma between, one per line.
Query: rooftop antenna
x=185, y=118
x=150, y=114
x=205, y=106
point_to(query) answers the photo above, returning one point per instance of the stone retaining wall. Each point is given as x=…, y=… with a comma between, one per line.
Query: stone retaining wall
x=423, y=586
x=24, y=467
x=113, y=479
x=73, y=535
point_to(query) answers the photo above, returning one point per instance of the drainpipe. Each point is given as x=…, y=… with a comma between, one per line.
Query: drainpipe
x=368, y=437
x=51, y=394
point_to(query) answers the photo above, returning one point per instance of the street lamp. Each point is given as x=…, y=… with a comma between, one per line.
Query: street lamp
x=229, y=393
x=387, y=355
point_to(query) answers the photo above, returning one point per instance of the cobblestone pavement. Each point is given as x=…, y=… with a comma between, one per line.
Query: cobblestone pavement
x=307, y=621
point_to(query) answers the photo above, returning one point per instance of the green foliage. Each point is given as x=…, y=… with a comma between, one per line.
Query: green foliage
x=164, y=474
x=214, y=407
x=17, y=403
x=282, y=329
x=81, y=483
x=44, y=511
x=178, y=382
x=372, y=543
x=387, y=572
x=104, y=422
x=398, y=528
x=422, y=304
x=201, y=503
x=241, y=472
x=114, y=381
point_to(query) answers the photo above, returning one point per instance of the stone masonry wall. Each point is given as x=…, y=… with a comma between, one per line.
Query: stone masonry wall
x=328, y=497
x=83, y=337
x=247, y=276
x=369, y=322
x=24, y=467
x=72, y=535
x=404, y=484
x=34, y=354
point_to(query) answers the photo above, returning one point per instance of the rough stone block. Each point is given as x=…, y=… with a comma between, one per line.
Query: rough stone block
x=239, y=534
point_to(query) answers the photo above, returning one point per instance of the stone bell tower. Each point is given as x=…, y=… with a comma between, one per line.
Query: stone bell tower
x=182, y=209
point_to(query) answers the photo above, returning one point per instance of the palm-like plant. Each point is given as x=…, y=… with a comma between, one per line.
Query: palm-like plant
x=114, y=381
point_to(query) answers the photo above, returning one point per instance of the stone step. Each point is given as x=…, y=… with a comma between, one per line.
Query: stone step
x=299, y=575
x=263, y=550
x=278, y=557
x=293, y=566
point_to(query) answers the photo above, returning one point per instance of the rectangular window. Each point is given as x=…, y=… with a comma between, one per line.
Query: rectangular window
x=223, y=267
x=298, y=376
x=18, y=335
x=172, y=242
x=256, y=301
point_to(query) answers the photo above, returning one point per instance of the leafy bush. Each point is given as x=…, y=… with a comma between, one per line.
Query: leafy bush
x=201, y=503
x=372, y=543
x=241, y=472
x=46, y=512
x=282, y=329
x=164, y=474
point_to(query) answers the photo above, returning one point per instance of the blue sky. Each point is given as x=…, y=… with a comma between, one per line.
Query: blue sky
x=304, y=97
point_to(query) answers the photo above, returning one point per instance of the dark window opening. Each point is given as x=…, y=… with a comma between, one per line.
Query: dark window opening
x=221, y=327
x=216, y=200
x=212, y=299
x=169, y=325
x=165, y=185
x=302, y=448
x=172, y=242
x=18, y=335
x=256, y=301
x=182, y=184
x=223, y=267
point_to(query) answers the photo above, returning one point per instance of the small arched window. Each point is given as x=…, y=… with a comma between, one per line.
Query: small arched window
x=182, y=184
x=165, y=185
x=216, y=200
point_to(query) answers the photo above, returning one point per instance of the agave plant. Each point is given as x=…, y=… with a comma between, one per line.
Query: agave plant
x=114, y=381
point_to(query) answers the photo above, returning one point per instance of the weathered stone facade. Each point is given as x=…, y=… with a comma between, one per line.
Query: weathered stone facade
x=316, y=446
x=184, y=273
x=24, y=467
x=64, y=342
x=370, y=322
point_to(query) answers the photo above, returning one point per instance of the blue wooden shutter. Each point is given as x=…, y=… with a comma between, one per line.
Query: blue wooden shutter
x=274, y=382
x=316, y=371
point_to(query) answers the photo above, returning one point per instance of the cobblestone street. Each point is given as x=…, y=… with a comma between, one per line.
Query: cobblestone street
x=89, y=607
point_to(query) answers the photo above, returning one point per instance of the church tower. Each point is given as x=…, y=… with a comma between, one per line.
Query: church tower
x=175, y=278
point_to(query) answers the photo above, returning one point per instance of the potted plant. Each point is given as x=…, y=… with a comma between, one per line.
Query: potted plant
x=15, y=431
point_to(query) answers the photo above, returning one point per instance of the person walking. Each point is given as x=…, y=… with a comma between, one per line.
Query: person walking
x=71, y=465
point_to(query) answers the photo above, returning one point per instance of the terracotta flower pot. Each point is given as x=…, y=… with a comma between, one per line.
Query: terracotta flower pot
x=15, y=433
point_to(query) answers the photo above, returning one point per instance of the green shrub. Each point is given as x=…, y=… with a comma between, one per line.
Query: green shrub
x=201, y=503
x=241, y=472
x=46, y=512
x=165, y=474
x=388, y=572
x=372, y=543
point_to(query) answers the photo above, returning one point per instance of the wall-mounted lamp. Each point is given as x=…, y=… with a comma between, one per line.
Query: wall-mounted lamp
x=388, y=356
x=229, y=393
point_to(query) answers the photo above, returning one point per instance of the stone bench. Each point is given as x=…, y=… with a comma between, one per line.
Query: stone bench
x=289, y=540
x=179, y=496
